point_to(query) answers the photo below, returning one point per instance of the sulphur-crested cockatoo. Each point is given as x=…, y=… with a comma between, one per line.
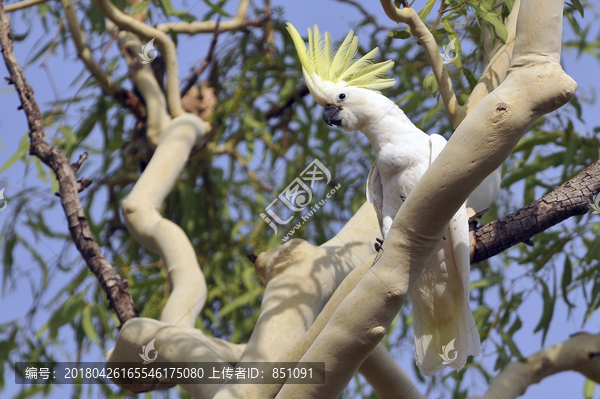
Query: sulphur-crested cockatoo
x=445, y=332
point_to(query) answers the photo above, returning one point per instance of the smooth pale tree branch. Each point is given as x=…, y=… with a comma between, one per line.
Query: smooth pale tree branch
x=388, y=379
x=104, y=80
x=579, y=353
x=160, y=235
x=164, y=43
x=115, y=287
x=147, y=85
x=193, y=28
x=490, y=44
x=426, y=40
x=22, y=4
x=578, y=191
x=536, y=85
x=173, y=344
x=496, y=67
x=301, y=279
x=125, y=98
x=571, y=199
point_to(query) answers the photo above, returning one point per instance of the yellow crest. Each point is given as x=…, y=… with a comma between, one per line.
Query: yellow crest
x=339, y=67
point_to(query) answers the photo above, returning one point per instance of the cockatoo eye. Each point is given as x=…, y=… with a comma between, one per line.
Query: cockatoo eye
x=342, y=96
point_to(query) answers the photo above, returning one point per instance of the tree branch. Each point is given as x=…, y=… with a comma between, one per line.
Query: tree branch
x=571, y=199
x=426, y=40
x=579, y=353
x=208, y=26
x=115, y=287
x=496, y=67
x=536, y=85
x=278, y=109
x=143, y=78
x=23, y=4
x=191, y=80
x=161, y=235
x=163, y=41
x=124, y=97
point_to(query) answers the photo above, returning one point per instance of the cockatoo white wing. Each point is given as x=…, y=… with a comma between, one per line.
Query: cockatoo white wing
x=442, y=315
x=375, y=192
x=485, y=194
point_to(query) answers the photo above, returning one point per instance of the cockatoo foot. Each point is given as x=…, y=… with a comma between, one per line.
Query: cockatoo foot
x=474, y=216
x=378, y=244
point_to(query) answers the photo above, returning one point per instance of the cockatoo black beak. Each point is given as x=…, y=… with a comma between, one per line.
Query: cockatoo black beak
x=331, y=115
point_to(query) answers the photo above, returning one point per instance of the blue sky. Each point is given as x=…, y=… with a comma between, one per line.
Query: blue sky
x=329, y=15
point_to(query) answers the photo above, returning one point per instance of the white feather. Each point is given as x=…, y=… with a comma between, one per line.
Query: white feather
x=440, y=298
x=442, y=316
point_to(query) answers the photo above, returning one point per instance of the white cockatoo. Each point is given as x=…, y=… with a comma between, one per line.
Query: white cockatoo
x=347, y=89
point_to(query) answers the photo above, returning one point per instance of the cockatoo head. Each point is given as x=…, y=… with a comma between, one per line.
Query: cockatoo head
x=344, y=86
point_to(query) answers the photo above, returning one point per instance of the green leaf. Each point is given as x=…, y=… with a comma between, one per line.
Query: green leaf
x=511, y=345
x=510, y=4
x=588, y=389
x=453, y=37
x=547, y=312
x=577, y=4
x=431, y=113
x=20, y=153
x=502, y=359
x=88, y=324
x=400, y=34
x=139, y=8
x=485, y=282
x=540, y=164
x=239, y=302
x=167, y=6
x=424, y=13
x=429, y=83
x=66, y=314
x=470, y=77
x=567, y=277
x=515, y=327
x=482, y=9
x=217, y=9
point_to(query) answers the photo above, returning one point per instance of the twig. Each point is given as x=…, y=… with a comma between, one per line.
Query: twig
x=22, y=4
x=427, y=41
x=456, y=6
x=124, y=97
x=191, y=80
x=75, y=166
x=277, y=109
x=439, y=16
x=94, y=73
x=115, y=287
x=209, y=26
x=164, y=43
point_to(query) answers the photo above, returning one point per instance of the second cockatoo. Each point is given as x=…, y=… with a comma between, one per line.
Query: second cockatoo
x=348, y=90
